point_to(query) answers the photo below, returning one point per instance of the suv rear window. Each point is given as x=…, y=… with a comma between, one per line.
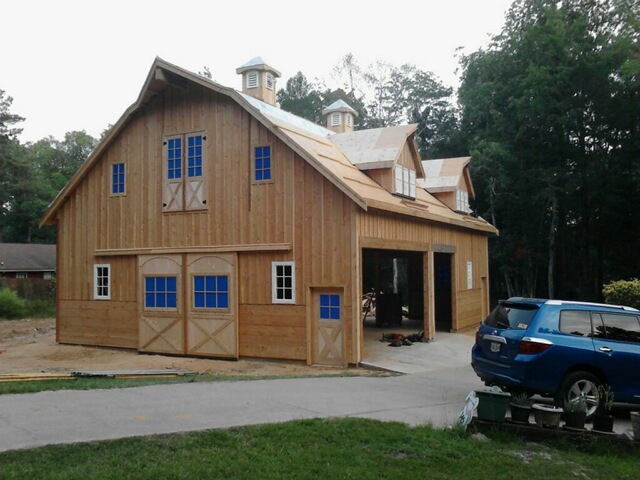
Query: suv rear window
x=511, y=315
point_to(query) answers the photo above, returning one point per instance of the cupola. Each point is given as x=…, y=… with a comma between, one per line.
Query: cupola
x=259, y=80
x=339, y=117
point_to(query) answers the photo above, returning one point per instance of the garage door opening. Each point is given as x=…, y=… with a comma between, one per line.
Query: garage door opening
x=393, y=293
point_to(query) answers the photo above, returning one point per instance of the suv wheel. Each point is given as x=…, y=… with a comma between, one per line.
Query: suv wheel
x=580, y=385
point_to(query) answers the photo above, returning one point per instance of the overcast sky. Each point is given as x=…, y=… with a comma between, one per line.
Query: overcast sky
x=77, y=65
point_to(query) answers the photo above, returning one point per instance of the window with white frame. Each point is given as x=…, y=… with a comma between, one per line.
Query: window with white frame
x=336, y=119
x=405, y=181
x=21, y=275
x=252, y=80
x=462, y=201
x=102, y=281
x=283, y=282
x=47, y=275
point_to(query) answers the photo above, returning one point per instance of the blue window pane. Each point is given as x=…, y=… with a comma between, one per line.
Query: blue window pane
x=211, y=283
x=324, y=300
x=324, y=313
x=198, y=172
x=149, y=300
x=223, y=283
x=258, y=152
x=198, y=283
x=223, y=300
x=198, y=300
x=161, y=284
x=259, y=175
x=160, y=300
x=211, y=300
x=267, y=163
x=267, y=175
x=335, y=314
x=171, y=284
x=258, y=164
x=335, y=300
x=149, y=284
x=171, y=300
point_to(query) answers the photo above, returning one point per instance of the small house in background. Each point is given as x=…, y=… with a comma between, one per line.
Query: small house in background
x=28, y=268
x=209, y=222
x=27, y=260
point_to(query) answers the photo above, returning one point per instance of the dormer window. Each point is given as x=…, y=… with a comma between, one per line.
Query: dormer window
x=462, y=201
x=405, y=181
x=271, y=81
x=252, y=79
x=336, y=119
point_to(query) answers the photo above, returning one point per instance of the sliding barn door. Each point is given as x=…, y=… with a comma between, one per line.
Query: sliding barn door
x=161, y=327
x=212, y=305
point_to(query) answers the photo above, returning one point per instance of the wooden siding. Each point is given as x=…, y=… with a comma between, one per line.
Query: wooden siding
x=406, y=158
x=375, y=229
x=299, y=207
x=102, y=323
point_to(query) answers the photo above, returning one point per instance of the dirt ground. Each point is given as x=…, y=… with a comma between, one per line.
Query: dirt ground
x=29, y=346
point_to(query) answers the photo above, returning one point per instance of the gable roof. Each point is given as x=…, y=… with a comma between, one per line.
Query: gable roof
x=27, y=257
x=377, y=147
x=315, y=144
x=445, y=174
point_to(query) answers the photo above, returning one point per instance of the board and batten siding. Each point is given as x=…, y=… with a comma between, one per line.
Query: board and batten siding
x=299, y=210
x=377, y=228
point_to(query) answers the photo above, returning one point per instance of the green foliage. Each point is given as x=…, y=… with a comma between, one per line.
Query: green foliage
x=576, y=405
x=548, y=111
x=347, y=448
x=521, y=398
x=605, y=398
x=623, y=292
x=11, y=306
x=40, y=308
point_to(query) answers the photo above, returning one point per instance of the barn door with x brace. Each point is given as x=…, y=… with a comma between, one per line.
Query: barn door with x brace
x=161, y=324
x=327, y=328
x=212, y=305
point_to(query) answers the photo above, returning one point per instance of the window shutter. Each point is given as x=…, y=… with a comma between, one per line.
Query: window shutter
x=270, y=81
x=398, y=172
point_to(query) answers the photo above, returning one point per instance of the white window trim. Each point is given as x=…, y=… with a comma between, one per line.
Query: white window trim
x=96, y=296
x=405, y=181
x=274, y=289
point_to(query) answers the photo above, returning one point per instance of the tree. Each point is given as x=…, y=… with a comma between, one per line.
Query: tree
x=550, y=113
x=9, y=150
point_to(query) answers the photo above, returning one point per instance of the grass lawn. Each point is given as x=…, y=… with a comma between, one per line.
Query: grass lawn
x=325, y=449
x=90, y=383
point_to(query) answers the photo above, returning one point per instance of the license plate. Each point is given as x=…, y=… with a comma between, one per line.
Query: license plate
x=495, y=347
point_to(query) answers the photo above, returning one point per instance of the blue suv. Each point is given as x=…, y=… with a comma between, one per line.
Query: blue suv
x=560, y=349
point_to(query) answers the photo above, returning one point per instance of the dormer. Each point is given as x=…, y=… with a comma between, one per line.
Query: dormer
x=388, y=155
x=259, y=80
x=448, y=179
x=339, y=117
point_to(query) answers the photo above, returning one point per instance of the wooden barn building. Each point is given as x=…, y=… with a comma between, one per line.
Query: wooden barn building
x=209, y=222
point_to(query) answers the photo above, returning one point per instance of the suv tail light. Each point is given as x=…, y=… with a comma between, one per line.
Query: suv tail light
x=533, y=346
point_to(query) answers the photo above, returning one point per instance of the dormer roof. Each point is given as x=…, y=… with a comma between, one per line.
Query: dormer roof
x=446, y=175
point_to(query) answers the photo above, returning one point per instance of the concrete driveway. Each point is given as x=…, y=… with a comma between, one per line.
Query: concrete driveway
x=433, y=391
